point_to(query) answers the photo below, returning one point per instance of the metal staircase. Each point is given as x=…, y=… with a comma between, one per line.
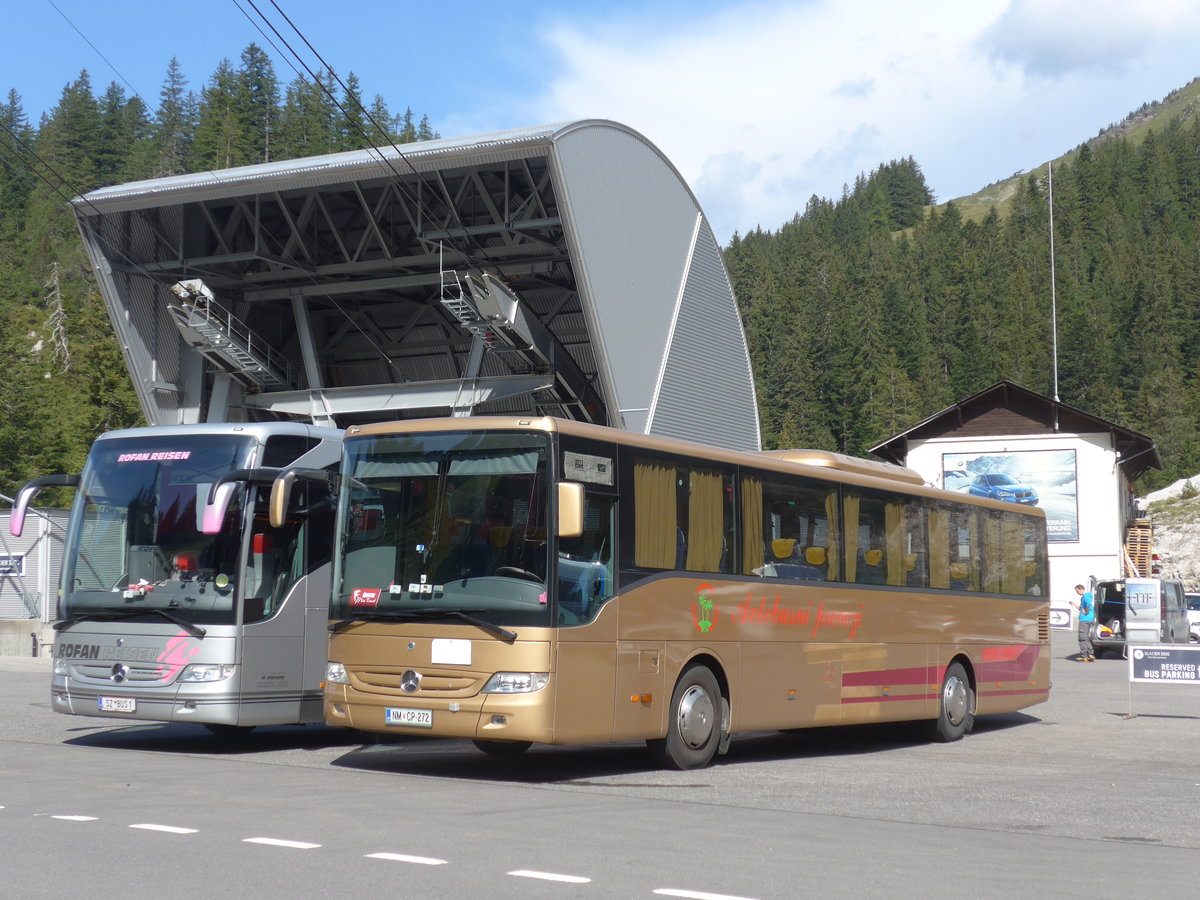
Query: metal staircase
x=225, y=340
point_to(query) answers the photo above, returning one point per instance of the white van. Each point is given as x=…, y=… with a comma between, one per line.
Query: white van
x=1139, y=610
x=1192, y=599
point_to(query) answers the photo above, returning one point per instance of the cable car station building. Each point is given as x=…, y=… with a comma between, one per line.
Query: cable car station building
x=562, y=270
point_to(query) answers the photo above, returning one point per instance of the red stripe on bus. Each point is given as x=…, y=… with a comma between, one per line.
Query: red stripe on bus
x=1001, y=654
x=887, y=698
x=1014, y=669
x=881, y=677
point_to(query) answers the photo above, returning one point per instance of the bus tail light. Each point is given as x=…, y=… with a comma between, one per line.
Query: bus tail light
x=516, y=682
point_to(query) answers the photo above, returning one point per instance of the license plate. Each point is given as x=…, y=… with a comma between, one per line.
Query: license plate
x=413, y=718
x=118, y=704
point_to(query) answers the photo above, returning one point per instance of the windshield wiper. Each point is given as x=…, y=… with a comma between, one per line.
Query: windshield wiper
x=432, y=613
x=112, y=613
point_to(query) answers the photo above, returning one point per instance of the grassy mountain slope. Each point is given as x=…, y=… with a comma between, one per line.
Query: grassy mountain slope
x=1182, y=103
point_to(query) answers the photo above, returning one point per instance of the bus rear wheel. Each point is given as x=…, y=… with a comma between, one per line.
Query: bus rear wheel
x=956, y=709
x=503, y=748
x=694, y=728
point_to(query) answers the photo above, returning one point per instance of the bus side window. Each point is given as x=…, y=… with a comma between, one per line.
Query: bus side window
x=280, y=557
x=585, y=563
x=682, y=516
x=795, y=522
x=884, y=538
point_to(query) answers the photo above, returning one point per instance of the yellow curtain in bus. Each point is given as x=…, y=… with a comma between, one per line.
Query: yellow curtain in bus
x=992, y=557
x=939, y=548
x=850, y=507
x=974, y=539
x=706, y=519
x=832, y=556
x=1013, y=540
x=893, y=518
x=752, y=526
x=655, y=520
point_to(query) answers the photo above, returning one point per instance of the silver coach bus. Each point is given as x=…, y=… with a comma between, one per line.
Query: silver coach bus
x=180, y=602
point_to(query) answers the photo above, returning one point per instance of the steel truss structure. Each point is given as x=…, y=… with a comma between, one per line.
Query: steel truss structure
x=445, y=277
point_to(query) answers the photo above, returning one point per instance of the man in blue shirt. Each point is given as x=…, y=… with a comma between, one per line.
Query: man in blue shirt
x=1087, y=615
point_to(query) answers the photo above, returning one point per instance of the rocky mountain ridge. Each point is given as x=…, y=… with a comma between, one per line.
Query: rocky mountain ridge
x=1174, y=513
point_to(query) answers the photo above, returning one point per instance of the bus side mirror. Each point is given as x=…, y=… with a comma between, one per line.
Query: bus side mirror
x=281, y=491
x=220, y=495
x=570, y=509
x=16, y=522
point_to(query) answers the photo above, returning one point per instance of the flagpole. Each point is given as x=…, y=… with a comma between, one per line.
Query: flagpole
x=1053, y=293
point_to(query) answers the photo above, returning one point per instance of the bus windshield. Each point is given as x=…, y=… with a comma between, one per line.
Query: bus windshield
x=135, y=542
x=437, y=525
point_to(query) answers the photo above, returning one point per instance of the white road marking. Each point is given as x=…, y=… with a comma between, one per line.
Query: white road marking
x=276, y=842
x=169, y=829
x=404, y=857
x=697, y=895
x=550, y=876
x=75, y=818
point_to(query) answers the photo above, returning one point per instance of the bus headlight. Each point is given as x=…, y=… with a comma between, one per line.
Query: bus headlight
x=61, y=667
x=335, y=673
x=516, y=682
x=203, y=672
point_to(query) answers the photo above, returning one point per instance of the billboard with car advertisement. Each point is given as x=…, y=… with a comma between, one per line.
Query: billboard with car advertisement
x=1043, y=478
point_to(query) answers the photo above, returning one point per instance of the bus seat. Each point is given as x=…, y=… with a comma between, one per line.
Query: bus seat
x=868, y=570
x=814, y=556
x=500, y=535
x=910, y=561
x=958, y=571
x=781, y=548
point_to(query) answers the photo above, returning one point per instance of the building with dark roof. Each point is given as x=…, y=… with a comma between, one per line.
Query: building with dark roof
x=1017, y=445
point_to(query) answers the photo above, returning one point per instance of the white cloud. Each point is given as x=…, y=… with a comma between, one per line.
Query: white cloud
x=761, y=105
x=1051, y=38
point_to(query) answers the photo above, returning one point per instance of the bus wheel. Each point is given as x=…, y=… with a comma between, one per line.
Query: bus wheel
x=229, y=731
x=956, y=711
x=694, y=727
x=503, y=748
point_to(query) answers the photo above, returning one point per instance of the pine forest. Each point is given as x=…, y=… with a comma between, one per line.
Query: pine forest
x=64, y=381
x=864, y=315
x=867, y=315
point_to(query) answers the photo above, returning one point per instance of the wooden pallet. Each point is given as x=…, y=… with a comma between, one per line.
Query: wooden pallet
x=1139, y=547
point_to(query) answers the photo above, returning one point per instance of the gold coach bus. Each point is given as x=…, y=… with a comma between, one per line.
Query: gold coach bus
x=514, y=581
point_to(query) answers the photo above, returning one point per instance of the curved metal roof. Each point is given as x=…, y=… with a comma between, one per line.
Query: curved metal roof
x=559, y=270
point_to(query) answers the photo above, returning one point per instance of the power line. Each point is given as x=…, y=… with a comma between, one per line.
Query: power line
x=97, y=51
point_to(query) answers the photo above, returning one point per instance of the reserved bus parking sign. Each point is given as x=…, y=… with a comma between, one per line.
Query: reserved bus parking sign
x=1165, y=665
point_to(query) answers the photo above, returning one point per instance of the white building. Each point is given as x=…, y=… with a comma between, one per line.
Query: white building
x=30, y=568
x=1021, y=446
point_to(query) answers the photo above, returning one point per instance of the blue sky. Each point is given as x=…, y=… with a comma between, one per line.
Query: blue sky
x=759, y=104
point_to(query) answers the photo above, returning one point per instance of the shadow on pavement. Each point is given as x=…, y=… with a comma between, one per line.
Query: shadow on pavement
x=172, y=737
x=544, y=764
